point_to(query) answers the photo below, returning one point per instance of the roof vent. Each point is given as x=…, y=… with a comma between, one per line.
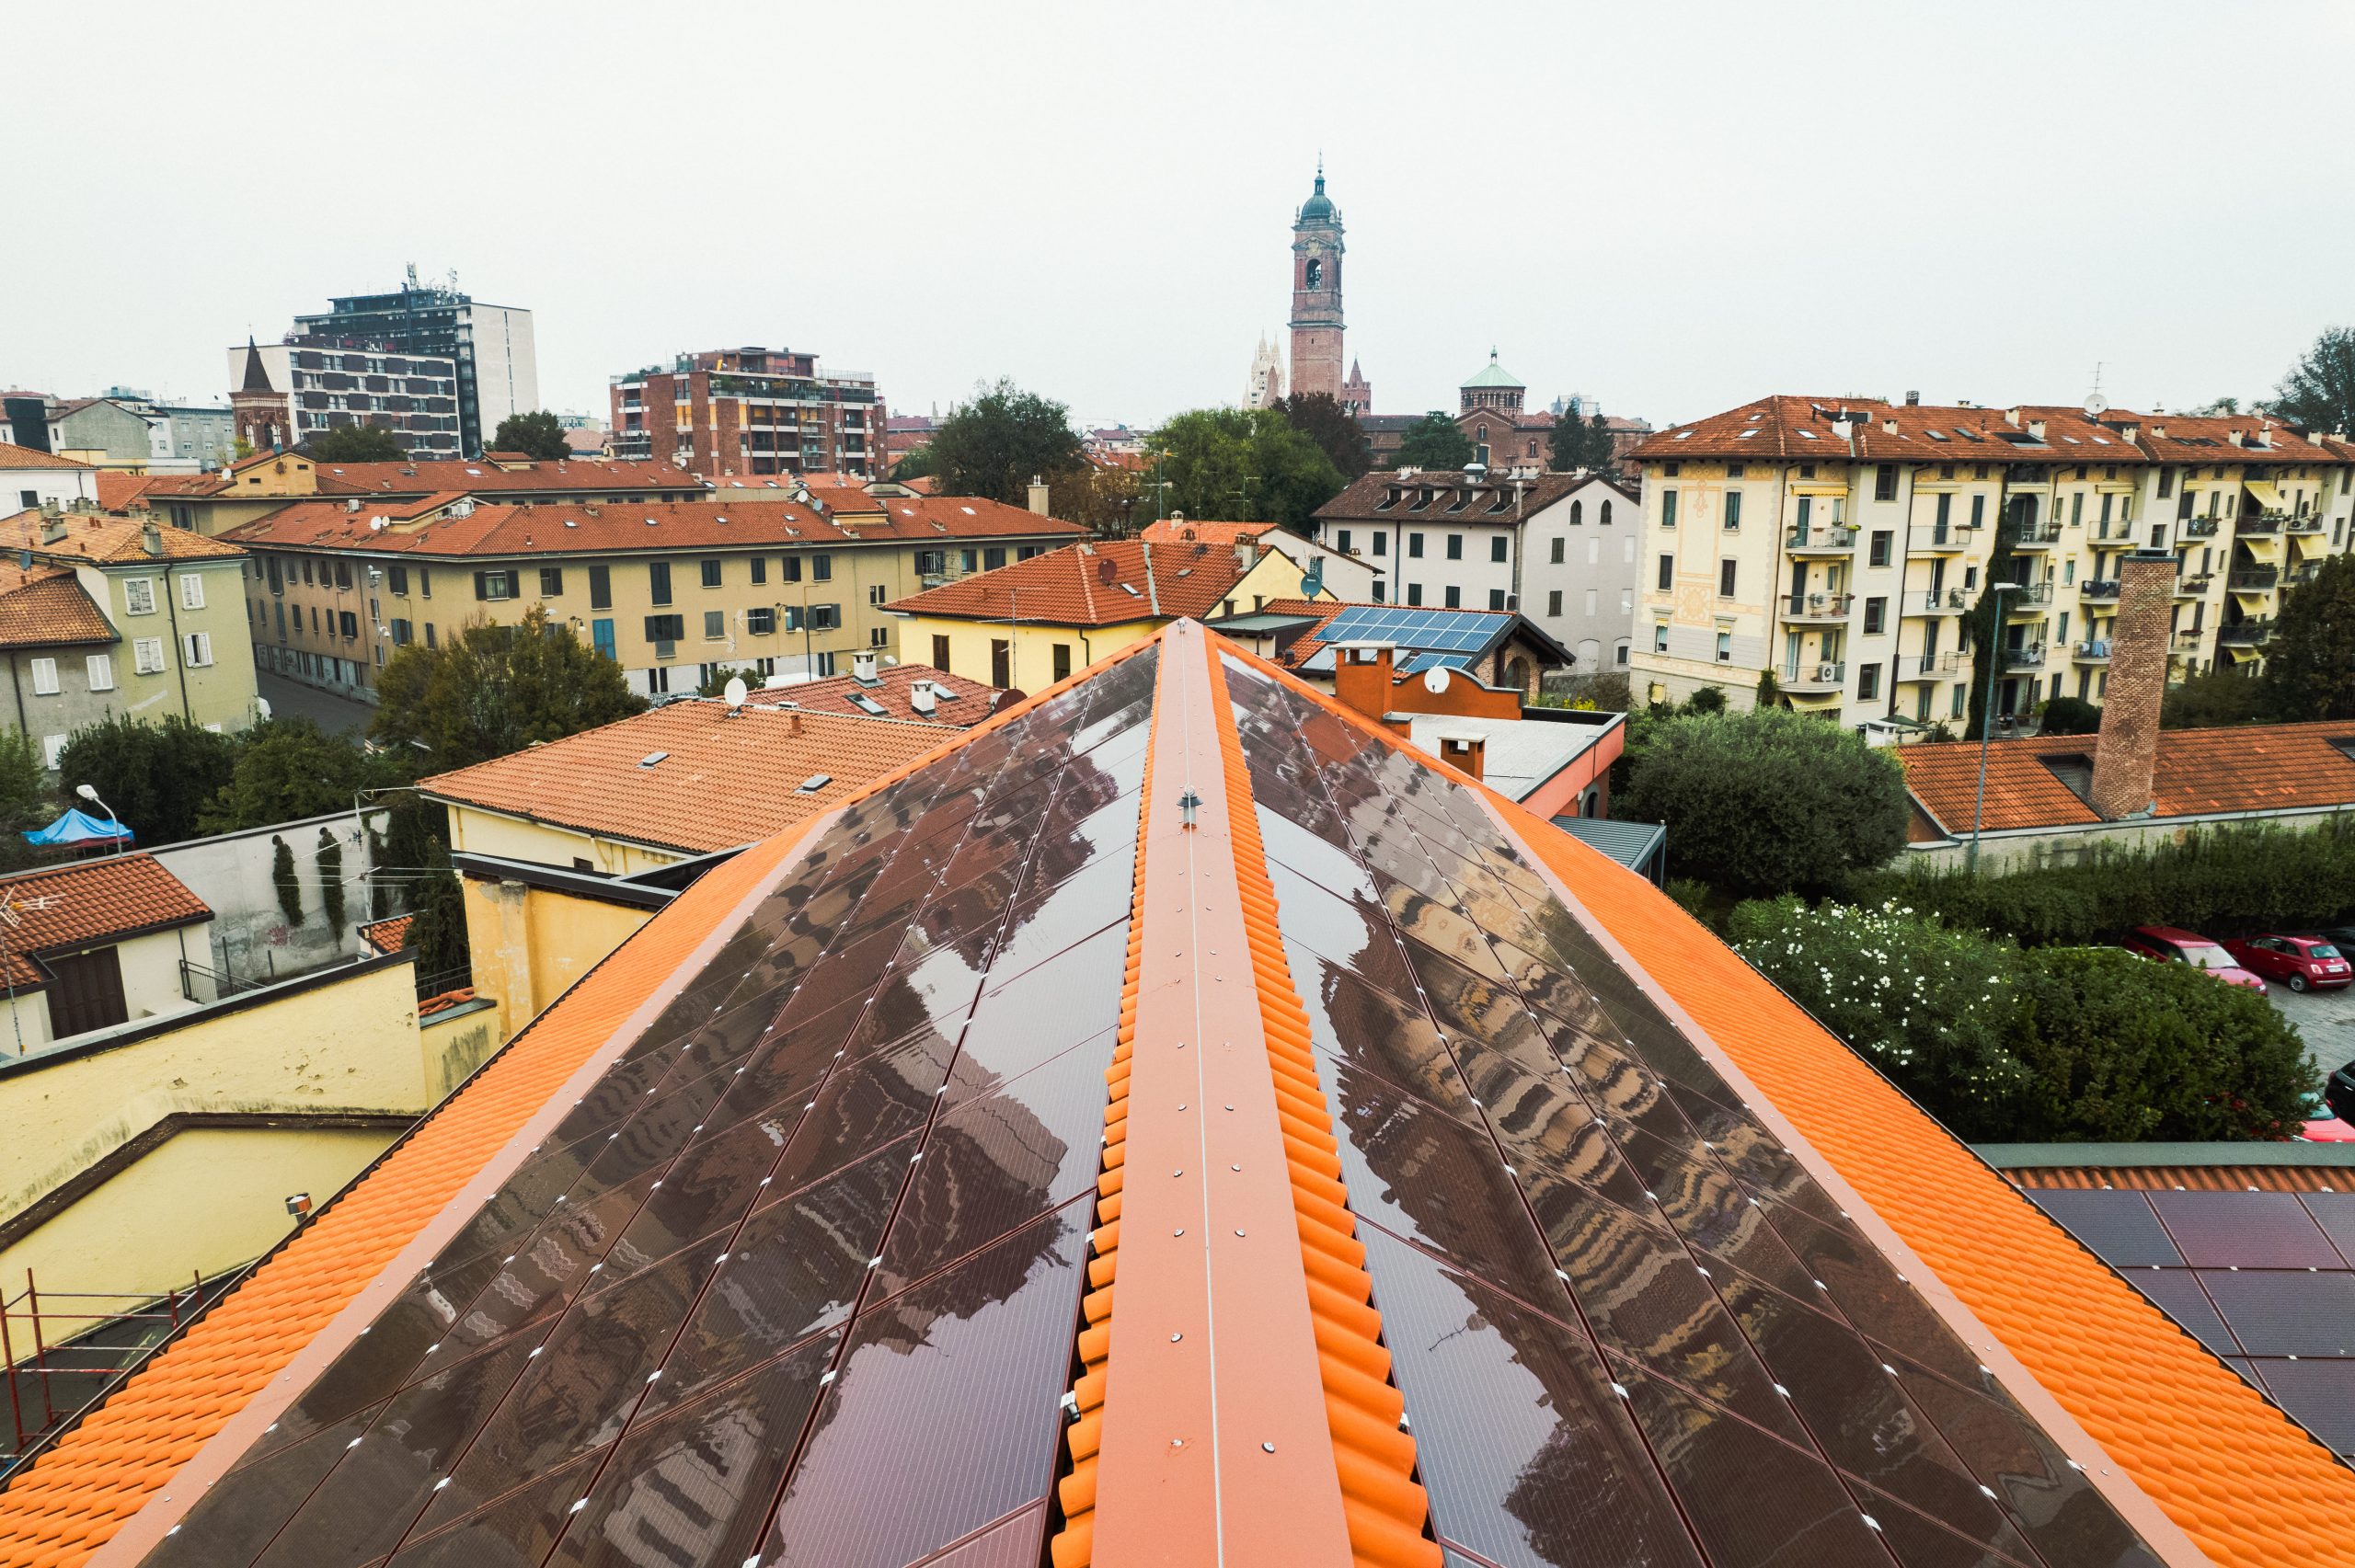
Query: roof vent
x=651, y=758
x=351, y=505
x=921, y=699
x=815, y=783
x=862, y=669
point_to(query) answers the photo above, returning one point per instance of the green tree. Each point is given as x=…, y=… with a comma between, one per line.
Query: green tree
x=2216, y=407
x=2318, y=395
x=1982, y=624
x=1433, y=442
x=995, y=445
x=917, y=465
x=490, y=690
x=538, y=435
x=2070, y=715
x=2223, y=696
x=24, y=800
x=413, y=824
x=1244, y=465
x=1578, y=443
x=715, y=683
x=158, y=777
x=330, y=863
x=2310, y=664
x=1769, y=801
x=283, y=878
x=355, y=443
x=288, y=769
x=1706, y=700
x=437, y=933
x=1333, y=428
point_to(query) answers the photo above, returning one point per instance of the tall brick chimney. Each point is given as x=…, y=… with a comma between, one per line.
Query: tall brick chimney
x=2127, y=747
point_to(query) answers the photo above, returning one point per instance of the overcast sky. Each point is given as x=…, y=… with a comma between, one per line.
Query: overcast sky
x=1671, y=208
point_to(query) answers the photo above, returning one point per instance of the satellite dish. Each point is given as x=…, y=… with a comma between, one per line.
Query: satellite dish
x=2097, y=405
x=1435, y=679
x=734, y=692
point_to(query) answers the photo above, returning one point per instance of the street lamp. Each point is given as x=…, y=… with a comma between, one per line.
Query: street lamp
x=90, y=793
x=1987, y=714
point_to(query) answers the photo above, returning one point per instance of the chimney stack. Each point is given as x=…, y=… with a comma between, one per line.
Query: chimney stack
x=1362, y=678
x=920, y=698
x=862, y=669
x=2126, y=751
x=1913, y=400
x=1039, y=494
x=1465, y=750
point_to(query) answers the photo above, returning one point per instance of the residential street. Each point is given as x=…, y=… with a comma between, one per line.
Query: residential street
x=289, y=698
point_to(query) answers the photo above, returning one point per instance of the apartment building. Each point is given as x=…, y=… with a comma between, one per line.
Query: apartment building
x=283, y=394
x=1837, y=543
x=672, y=590
x=491, y=349
x=1560, y=548
x=751, y=410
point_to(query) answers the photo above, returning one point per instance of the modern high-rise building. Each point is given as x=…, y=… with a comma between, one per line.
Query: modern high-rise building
x=282, y=394
x=497, y=367
x=731, y=411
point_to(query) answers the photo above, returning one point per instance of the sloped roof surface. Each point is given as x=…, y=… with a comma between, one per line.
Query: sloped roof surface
x=957, y=701
x=790, y=1252
x=45, y=607
x=14, y=456
x=106, y=540
x=425, y=477
x=1102, y=583
x=91, y=902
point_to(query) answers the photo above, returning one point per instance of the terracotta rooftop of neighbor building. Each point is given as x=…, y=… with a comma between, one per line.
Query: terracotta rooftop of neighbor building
x=956, y=700
x=387, y=935
x=425, y=477
x=14, y=456
x=1441, y=495
x=1186, y=530
x=1102, y=583
x=689, y=777
x=1513, y=1220
x=107, y=539
x=46, y=607
x=2199, y=772
x=430, y=526
x=109, y=898
x=118, y=492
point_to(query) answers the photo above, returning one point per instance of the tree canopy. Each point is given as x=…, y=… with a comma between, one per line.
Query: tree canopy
x=996, y=443
x=24, y=800
x=1333, y=428
x=916, y=465
x=1433, y=442
x=2221, y=696
x=289, y=769
x=1768, y=801
x=2310, y=664
x=2318, y=393
x=158, y=778
x=492, y=688
x=355, y=443
x=1244, y=465
x=1579, y=443
x=537, y=435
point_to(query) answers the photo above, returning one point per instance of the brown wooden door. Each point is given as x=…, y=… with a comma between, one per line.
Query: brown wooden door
x=1001, y=663
x=87, y=993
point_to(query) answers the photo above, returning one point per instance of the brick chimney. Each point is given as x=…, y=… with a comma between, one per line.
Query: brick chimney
x=1362, y=678
x=2127, y=749
x=1465, y=750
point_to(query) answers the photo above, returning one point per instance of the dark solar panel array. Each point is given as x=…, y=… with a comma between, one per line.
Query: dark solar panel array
x=1628, y=1326
x=2264, y=1279
x=1452, y=637
x=798, y=1277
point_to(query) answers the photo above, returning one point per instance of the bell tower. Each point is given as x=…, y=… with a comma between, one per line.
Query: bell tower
x=1317, y=294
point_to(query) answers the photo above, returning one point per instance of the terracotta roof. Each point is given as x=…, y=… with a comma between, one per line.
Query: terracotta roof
x=387, y=935
x=721, y=782
x=425, y=477
x=2197, y=773
x=1364, y=497
x=45, y=607
x=429, y=526
x=106, y=540
x=1100, y=584
x=1186, y=530
x=117, y=491
x=957, y=702
x=91, y=902
x=14, y=457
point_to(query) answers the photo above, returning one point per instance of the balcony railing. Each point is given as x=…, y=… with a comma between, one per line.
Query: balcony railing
x=2100, y=588
x=2310, y=523
x=2249, y=580
x=2244, y=634
x=1817, y=606
x=2027, y=599
x=1825, y=675
x=1929, y=666
x=1933, y=536
x=1832, y=538
x=2028, y=658
x=2192, y=587
x=2306, y=572
x=2187, y=639
x=2094, y=650
x=2260, y=522
x=2040, y=537
x=1936, y=602
x=2200, y=527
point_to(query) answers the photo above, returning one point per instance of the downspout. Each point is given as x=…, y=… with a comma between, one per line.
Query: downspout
x=1903, y=554
x=24, y=726
x=179, y=654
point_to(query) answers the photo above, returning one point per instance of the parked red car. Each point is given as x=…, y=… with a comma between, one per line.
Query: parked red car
x=2169, y=945
x=2298, y=962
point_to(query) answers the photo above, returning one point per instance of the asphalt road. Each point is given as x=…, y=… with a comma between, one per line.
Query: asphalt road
x=288, y=698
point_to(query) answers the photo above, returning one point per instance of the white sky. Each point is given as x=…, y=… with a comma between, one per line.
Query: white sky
x=1672, y=207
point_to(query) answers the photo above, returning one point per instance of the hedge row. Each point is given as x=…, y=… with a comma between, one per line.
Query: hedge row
x=2223, y=882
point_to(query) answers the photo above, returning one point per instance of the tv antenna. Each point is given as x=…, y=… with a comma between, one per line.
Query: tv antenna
x=2096, y=404
x=9, y=920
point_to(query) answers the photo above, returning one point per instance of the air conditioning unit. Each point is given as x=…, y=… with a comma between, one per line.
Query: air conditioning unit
x=1818, y=600
x=1828, y=672
x=1512, y=602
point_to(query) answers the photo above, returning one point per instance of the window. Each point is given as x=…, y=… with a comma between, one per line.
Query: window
x=1605, y=519
x=760, y=623
x=1495, y=599
x=1806, y=512
x=1554, y=601
x=147, y=655
x=1063, y=661
x=821, y=568
x=1879, y=556
x=1452, y=596
x=939, y=652
x=1342, y=540
x=1868, y=682
x=52, y=747
x=993, y=557
x=1885, y=482
x=658, y=582
x=398, y=579
x=44, y=678
x=878, y=636
x=428, y=634
x=425, y=581
x=760, y=569
x=1659, y=636
x=1456, y=546
x=101, y=671
x=1414, y=546
x=658, y=680
x=2166, y=483
x=197, y=647
x=306, y=571
x=139, y=595
x=1667, y=572
x=1725, y=646
x=401, y=630
x=276, y=585
x=29, y=498
x=825, y=617
x=878, y=594
x=711, y=571
x=1733, y=512
x=1414, y=593
x=1554, y=555
x=825, y=664
x=342, y=573
x=1577, y=514
x=497, y=584
x=1497, y=548
x=349, y=624
x=1725, y=578
x=715, y=624
x=1380, y=591
x=1382, y=544
x=665, y=628
x=1876, y=615
x=2076, y=516
x=1977, y=511
x=191, y=593
x=1667, y=509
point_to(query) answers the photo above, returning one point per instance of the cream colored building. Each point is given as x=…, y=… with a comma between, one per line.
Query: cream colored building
x=1836, y=546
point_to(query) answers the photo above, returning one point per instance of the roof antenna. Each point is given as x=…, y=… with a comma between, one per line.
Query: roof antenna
x=2096, y=404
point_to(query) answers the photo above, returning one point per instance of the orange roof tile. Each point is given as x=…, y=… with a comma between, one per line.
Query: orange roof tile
x=110, y=898
x=116, y=492
x=957, y=700
x=425, y=477
x=720, y=781
x=1100, y=584
x=14, y=456
x=46, y=607
x=1186, y=530
x=106, y=540
x=2197, y=773
x=387, y=935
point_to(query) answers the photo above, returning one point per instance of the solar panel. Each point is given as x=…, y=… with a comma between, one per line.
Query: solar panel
x=2118, y=1225
x=2225, y=1230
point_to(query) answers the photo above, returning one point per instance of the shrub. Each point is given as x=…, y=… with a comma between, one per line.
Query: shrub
x=2212, y=701
x=331, y=895
x=1707, y=700
x=2071, y=716
x=283, y=878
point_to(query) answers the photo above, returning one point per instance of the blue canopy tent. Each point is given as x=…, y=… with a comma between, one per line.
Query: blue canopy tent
x=80, y=828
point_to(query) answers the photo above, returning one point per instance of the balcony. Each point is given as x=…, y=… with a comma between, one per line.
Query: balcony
x=1817, y=606
x=2028, y=599
x=2304, y=572
x=1938, y=539
x=2254, y=579
x=2260, y=522
x=2194, y=586
x=1827, y=675
x=2244, y=634
x=2187, y=639
x=2197, y=527
x=1936, y=602
x=2039, y=538
x=2030, y=657
x=1929, y=666
x=2095, y=650
x=1838, y=539
x=2100, y=590
x=2310, y=523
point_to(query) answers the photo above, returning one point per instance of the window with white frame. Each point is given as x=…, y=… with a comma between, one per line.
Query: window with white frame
x=52, y=747
x=147, y=655
x=44, y=678
x=191, y=593
x=197, y=649
x=139, y=595
x=101, y=668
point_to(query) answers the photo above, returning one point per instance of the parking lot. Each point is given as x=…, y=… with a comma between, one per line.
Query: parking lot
x=2327, y=1019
